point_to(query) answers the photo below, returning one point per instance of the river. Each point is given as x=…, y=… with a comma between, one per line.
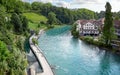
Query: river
x=70, y=56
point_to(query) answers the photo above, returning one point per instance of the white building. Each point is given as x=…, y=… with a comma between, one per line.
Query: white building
x=89, y=27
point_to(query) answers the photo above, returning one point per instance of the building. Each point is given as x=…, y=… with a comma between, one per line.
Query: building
x=117, y=28
x=94, y=27
x=90, y=27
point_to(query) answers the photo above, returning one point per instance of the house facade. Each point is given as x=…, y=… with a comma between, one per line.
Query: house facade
x=94, y=27
x=89, y=27
x=117, y=28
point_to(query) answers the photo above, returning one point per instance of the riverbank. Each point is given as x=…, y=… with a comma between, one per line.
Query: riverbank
x=40, y=56
x=98, y=43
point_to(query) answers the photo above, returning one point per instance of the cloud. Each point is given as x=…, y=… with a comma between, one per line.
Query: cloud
x=44, y=1
x=95, y=5
x=87, y=1
x=62, y=4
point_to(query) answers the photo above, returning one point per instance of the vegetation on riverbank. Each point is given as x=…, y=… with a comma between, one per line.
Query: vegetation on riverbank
x=13, y=32
x=74, y=31
x=108, y=32
x=91, y=40
x=35, y=41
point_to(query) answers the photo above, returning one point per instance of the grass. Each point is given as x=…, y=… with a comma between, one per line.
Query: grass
x=36, y=18
x=34, y=26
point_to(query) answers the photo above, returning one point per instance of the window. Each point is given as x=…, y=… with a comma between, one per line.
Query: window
x=96, y=27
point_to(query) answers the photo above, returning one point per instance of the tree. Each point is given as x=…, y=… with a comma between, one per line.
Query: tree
x=27, y=6
x=74, y=31
x=108, y=29
x=36, y=6
x=25, y=24
x=24, y=21
x=4, y=55
x=16, y=22
x=18, y=7
x=52, y=18
x=2, y=17
x=8, y=4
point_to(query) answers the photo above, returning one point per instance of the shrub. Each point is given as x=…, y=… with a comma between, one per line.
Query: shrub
x=50, y=26
x=37, y=32
x=34, y=41
x=91, y=40
x=39, y=25
x=42, y=22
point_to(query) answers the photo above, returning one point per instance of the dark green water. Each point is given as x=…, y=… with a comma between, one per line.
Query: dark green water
x=71, y=56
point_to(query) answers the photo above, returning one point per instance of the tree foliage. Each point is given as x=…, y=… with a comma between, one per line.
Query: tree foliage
x=20, y=23
x=25, y=23
x=4, y=53
x=52, y=18
x=15, y=19
x=64, y=15
x=75, y=32
x=11, y=63
x=12, y=56
x=108, y=29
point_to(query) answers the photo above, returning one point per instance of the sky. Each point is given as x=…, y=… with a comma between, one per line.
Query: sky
x=95, y=5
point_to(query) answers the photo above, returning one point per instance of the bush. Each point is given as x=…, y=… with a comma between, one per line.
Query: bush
x=31, y=21
x=88, y=39
x=50, y=26
x=39, y=25
x=75, y=34
x=42, y=22
x=34, y=41
x=91, y=40
x=37, y=32
x=26, y=34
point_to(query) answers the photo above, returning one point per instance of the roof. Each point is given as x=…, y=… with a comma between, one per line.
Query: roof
x=117, y=24
x=95, y=22
x=98, y=22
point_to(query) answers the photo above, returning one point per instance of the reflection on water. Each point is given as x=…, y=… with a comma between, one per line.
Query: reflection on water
x=105, y=64
x=72, y=56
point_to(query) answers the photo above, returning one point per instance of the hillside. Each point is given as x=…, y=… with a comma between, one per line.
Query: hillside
x=36, y=18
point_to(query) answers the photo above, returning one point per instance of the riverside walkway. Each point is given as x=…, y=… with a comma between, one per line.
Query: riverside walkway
x=40, y=57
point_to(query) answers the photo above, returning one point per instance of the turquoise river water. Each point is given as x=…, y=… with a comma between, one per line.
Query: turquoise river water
x=71, y=56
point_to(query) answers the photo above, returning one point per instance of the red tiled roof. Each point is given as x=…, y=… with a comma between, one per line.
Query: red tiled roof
x=99, y=22
x=96, y=22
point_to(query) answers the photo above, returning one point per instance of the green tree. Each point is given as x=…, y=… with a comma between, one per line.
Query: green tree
x=4, y=55
x=36, y=6
x=15, y=19
x=27, y=6
x=8, y=4
x=19, y=7
x=17, y=63
x=52, y=18
x=74, y=31
x=2, y=17
x=24, y=21
x=108, y=29
x=25, y=24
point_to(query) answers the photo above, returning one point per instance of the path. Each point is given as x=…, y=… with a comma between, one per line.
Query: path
x=40, y=57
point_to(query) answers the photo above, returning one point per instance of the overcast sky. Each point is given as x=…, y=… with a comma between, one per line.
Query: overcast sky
x=95, y=5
